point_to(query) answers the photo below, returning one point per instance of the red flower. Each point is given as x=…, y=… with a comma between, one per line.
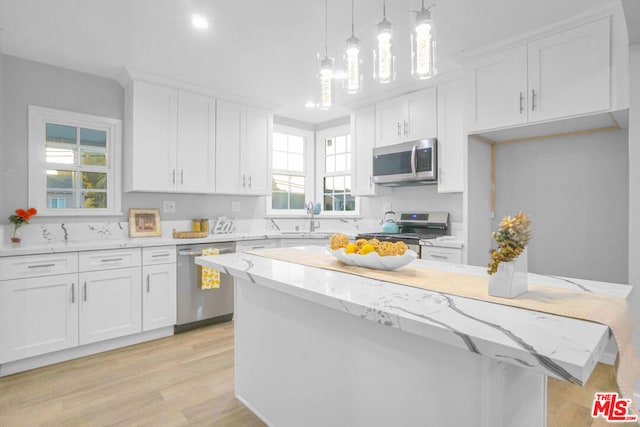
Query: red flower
x=21, y=216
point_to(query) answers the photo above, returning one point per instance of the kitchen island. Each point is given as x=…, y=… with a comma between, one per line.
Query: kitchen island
x=320, y=347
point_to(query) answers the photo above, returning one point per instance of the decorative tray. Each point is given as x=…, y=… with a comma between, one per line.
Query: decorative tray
x=374, y=260
x=189, y=234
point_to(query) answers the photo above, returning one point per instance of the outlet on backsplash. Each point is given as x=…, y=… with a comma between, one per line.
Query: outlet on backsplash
x=235, y=207
x=169, y=206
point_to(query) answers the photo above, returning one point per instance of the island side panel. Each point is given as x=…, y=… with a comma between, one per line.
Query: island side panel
x=300, y=363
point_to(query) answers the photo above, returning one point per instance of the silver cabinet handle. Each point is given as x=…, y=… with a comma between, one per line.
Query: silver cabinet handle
x=399, y=129
x=370, y=180
x=243, y=181
x=41, y=265
x=73, y=293
x=521, y=106
x=413, y=159
x=438, y=256
x=148, y=283
x=406, y=128
x=533, y=99
x=111, y=259
x=181, y=176
x=249, y=181
x=85, y=291
x=160, y=255
x=173, y=176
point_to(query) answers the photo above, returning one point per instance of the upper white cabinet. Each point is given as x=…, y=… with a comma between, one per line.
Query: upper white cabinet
x=565, y=74
x=451, y=137
x=169, y=139
x=406, y=118
x=363, y=139
x=243, y=153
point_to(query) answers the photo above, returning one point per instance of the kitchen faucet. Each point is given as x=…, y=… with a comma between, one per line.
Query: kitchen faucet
x=313, y=225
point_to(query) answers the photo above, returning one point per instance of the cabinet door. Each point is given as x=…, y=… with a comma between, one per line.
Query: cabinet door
x=152, y=165
x=498, y=89
x=110, y=304
x=256, y=155
x=442, y=254
x=289, y=243
x=159, y=296
x=421, y=116
x=450, y=138
x=390, y=121
x=569, y=73
x=38, y=315
x=230, y=130
x=363, y=136
x=196, y=143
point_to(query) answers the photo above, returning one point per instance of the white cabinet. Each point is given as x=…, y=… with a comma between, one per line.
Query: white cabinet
x=451, y=255
x=450, y=138
x=562, y=75
x=110, y=294
x=243, y=150
x=159, y=287
x=169, y=139
x=38, y=315
x=288, y=243
x=249, y=245
x=406, y=118
x=363, y=137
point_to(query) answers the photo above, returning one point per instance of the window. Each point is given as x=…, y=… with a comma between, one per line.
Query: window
x=291, y=171
x=334, y=166
x=72, y=163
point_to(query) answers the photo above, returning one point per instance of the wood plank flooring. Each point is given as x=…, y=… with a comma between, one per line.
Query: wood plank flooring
x=187, y=380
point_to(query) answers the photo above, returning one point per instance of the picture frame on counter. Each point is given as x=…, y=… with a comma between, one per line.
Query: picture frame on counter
x=144, y=222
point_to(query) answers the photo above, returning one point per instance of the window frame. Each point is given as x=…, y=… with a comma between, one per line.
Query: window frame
x=37, y=194
x=320, y=156
x=309, y=151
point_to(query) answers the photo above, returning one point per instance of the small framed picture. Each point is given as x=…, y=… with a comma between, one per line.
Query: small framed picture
x=144, y=222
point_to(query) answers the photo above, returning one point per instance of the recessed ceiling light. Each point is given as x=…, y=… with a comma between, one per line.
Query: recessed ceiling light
x=199, y=21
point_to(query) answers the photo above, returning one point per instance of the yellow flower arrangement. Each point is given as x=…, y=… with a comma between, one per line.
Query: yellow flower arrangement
x=512, y=238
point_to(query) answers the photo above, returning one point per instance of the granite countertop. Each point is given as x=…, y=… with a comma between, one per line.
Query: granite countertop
x=557, y=346
x=72, y=246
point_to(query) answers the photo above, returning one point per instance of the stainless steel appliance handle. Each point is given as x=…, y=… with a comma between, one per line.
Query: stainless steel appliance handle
x=188, y=252
x=413, y=159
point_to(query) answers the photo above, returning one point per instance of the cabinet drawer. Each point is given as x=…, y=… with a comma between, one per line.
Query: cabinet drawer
x=109, y=259
x=158, y=255
x=441, y=254
x=19, y=267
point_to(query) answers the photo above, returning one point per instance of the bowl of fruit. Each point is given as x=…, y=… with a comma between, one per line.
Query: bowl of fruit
x=370, y=253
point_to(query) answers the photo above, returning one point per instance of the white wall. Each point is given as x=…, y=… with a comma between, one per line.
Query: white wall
x=576, y=191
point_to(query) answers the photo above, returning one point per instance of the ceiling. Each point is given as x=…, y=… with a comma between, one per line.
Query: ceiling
x=264, y=50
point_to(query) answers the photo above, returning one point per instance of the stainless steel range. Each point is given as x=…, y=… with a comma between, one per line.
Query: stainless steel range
x=413, y=228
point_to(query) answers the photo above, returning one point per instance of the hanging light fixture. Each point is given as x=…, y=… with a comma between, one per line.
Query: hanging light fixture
x=326, y=70
x=423, y=46
x=383, y=58
x=352, y=80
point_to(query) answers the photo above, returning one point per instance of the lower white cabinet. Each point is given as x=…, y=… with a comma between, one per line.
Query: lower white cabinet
x=452, y=255
x=38, y=315
x=110, y=304
x=249, y=245
x=158, y=287
x=288, y=243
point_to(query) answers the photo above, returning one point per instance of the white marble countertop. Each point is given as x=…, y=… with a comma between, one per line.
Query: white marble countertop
x=557, y=346
x=73, y=246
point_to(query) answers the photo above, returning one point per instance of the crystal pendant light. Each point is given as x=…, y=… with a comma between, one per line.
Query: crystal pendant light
x=423, y=46
x=383, y=58
x=352, y=54
x=326, y=71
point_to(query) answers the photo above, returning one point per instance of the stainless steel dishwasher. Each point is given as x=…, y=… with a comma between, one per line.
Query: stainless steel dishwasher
x=196, y=306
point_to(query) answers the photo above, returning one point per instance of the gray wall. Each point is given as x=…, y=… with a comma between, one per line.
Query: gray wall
x=478, y=219
x=576, y=191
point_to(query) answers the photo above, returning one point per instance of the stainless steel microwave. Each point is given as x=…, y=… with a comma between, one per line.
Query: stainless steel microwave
x=408, y=163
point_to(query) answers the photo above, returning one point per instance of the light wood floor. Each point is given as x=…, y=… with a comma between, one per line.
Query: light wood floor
x=183, y=380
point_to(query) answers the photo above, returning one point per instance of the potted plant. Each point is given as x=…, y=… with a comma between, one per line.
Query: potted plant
x=20, y=217
x=508, y=265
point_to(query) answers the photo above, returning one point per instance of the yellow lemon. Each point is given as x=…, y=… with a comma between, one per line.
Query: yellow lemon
x=351, y=248
x=366, y=248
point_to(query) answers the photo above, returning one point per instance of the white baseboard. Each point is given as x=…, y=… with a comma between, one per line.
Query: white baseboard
x=81, y=351
x=252, y=409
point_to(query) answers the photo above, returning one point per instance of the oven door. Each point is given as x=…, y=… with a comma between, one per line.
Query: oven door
x=413, y=161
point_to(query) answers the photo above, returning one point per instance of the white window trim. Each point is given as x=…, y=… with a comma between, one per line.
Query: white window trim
x=38, y=117
x=321, y=136
x=308, y=171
